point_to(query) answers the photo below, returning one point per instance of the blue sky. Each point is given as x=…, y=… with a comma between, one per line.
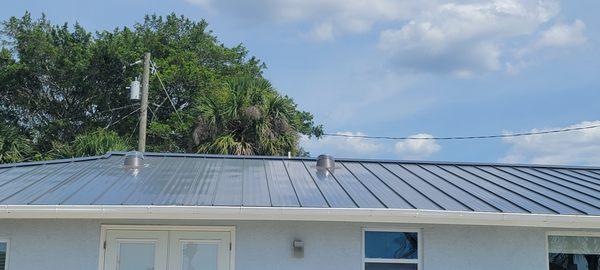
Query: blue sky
x=402, y=68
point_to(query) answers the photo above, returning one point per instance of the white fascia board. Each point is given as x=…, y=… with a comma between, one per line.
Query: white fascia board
x=364, y=215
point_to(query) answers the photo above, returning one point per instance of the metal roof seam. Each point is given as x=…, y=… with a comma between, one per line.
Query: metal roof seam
x=65, y=181
x=316, y=184
x=291, y=182
x=569, y=179
x=198, y=188
x=34, y=182
x=577, y=177
x=141, y=185
x=267, y=181
x=107, y=189
x=363, y=184
x=20, y=176
x=486, y=189
x=510, y=190
x=597, y=173
x=593, y=175
x=214, y=196
x=393, y=189
x=553, y=189
x=343, y=188
x=437, y=188
x=464, y=190
x=560, y=184
x=83, y=186
x=243, y=180
x=172, y=178
x=531, y=190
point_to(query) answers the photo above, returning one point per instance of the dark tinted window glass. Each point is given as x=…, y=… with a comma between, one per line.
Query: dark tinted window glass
x=391, y=245
x=390, y=266
x=2, y=256
x=564, y=261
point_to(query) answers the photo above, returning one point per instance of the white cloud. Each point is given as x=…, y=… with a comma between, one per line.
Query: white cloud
x=329, y=17
x=323, y=32
x=563, y=35
x=558, y=36
x=464, y=38
x=573, y=147
x=417, y=149
x=435, y=36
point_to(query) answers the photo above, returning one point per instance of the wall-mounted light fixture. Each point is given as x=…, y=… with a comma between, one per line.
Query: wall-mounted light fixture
x=298, y=246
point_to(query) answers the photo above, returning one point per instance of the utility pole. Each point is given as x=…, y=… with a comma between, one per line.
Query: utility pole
x=144, y=104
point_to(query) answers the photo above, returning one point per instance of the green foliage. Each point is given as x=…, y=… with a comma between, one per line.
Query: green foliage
x=15, y=147
x=90, y=144
x=61, y=83
x=248, y=117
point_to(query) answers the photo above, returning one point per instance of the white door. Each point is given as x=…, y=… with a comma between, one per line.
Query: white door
x=189, y=250
x=167, y=250
x=136, y=250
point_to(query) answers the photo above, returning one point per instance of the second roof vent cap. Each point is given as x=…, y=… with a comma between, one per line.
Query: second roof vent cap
x=325, y=162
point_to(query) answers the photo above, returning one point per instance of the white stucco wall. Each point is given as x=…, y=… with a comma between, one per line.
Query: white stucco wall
x=266, y=245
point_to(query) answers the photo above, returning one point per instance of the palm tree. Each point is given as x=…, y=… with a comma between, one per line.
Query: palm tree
x=247, y=116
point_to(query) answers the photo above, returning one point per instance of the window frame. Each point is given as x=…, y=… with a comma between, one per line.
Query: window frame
x=565, y=233
x=7, y=258
x=418, y=261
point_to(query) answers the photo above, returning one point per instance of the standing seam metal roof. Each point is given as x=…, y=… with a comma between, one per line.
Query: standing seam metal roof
x=213, y=180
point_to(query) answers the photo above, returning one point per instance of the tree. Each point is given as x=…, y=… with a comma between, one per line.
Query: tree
x=248, y=117
x=58, y=82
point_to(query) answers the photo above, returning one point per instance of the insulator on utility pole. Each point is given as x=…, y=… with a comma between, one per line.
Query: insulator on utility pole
x=144, y=104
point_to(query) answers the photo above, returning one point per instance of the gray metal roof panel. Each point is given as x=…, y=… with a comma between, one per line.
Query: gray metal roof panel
x=281, y=190
x=384, y=193
x=203, y=193
x=205, y=180
x=355, y=189
x=309, y=194
x=335, y=195
x=418, y=186
x=541, y=193
x=255, y=188
x=491, y=199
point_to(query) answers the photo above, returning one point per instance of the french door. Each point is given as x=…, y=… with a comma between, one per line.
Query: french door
x=167, y=250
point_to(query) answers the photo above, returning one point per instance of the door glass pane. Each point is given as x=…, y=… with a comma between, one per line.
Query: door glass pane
x=3, y=255
x=199, y=256
x=390, y=266
x=391, y=245
x=136, y=256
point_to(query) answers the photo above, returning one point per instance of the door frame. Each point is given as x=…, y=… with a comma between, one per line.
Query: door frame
x=106, y=227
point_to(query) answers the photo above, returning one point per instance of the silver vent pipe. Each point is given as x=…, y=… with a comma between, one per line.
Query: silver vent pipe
x=133, y=160
x=325, y=162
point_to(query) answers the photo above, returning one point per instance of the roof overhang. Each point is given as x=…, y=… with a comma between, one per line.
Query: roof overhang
x=295, y=214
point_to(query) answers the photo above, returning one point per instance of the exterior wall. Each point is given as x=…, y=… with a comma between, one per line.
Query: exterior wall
x=266, y=245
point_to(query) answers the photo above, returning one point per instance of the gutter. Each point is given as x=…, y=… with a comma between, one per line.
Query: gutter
x=364, y=215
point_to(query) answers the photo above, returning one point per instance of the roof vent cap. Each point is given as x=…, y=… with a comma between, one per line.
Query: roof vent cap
x=133, y=160
x=325, y=162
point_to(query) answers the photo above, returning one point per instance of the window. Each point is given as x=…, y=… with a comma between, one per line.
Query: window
x=391, y=249
x=573, y=252
x=3, y=254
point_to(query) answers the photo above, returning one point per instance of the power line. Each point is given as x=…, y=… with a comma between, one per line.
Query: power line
x=155, y=69
x=464, y=137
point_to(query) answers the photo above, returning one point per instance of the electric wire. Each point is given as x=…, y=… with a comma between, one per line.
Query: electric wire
x=508, y=135
x=155, y=69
